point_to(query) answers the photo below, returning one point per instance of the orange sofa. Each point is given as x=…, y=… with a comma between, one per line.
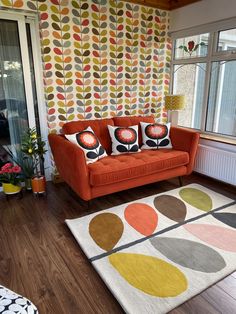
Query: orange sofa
x=121, y=172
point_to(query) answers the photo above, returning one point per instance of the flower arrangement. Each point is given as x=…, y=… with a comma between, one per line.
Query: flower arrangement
x=24, y=162
x=191, y=47
x=10, y=173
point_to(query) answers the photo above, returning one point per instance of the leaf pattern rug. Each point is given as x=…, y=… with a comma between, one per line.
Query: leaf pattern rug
x=159, y=251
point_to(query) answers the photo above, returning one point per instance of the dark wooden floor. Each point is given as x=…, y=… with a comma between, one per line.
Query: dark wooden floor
x=40, y=259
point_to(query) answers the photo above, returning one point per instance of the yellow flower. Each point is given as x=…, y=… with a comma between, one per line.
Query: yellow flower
x=34, y=136
x=30, y=150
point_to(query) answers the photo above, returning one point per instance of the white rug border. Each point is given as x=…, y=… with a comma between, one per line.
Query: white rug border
x=118, y=299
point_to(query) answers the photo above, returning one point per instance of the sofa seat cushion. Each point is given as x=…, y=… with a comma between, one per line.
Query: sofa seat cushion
x=112, y=169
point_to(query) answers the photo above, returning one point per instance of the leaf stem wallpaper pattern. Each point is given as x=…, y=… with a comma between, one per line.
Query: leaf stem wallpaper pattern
x=101, y=58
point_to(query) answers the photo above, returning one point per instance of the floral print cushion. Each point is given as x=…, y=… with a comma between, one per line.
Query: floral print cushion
x=89, y=143
x=124, y=139
x=12, y=303
x=155, y=135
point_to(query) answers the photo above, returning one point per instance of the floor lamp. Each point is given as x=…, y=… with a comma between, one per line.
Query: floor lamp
x=174, y=103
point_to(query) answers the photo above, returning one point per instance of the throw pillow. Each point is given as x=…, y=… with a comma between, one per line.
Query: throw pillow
x=89, y=143
x=124, y=139
x=155, y=135
x=12, y=302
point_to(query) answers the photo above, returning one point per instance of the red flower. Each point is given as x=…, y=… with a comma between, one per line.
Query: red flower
x=125, y=135
x=16, y=169
x=191, y=45
x=87, y=140
x=156, y=131
x=6, y=166
x=9, y=174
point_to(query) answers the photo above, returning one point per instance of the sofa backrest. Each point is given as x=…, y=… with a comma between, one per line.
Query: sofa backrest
x=99, y=127
x=129, y=121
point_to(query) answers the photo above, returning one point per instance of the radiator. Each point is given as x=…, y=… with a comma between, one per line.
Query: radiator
x=216, y=163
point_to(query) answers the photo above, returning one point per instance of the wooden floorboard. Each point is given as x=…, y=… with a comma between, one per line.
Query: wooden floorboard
x=228, y=285
x=234, y=275
x=197, y=305
x=40, y=258
x=222, y=301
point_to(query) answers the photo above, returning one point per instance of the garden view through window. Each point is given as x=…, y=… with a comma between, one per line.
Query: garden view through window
x=204, y=70
x=18, y=97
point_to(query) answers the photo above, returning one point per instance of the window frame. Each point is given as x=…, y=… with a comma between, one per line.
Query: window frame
x=213, y=55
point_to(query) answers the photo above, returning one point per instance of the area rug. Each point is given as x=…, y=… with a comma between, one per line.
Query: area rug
x=159, y=251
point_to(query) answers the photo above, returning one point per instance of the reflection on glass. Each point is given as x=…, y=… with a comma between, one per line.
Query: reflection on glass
x=190, y=42
x=221, y=112
x=13, y=110
x=227, y=40
x=32, y=76
x=189, y=80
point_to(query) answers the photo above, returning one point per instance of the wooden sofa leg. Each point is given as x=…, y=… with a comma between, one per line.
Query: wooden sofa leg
x=180, y=181
x=88, y=204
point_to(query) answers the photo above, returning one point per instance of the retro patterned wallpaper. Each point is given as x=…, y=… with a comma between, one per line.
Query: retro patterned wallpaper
x=101, y=58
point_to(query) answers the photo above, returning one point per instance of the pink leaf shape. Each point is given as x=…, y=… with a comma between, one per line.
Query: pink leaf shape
x=220, y=237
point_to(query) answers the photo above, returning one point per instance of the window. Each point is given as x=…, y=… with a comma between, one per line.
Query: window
x=204, y=70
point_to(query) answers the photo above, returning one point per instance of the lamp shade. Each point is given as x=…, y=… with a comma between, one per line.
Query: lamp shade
x=174, y=102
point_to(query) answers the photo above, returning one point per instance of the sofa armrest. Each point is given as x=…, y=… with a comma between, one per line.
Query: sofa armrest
x=71, y=164
x=185, y=140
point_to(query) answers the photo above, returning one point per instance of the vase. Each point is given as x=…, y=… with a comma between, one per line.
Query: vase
x=28, y=186
x=38, y=185
x=9, y=188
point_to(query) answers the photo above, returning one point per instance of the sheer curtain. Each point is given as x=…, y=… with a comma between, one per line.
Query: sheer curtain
x=13, y=109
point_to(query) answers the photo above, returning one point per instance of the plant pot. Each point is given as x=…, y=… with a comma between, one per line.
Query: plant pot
x=28, y=186
x=38, y=185
x=9, y=188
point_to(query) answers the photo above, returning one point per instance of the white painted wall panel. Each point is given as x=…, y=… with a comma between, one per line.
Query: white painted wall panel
x=202, y=12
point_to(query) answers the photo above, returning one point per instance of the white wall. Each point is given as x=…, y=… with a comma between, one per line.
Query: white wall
x=202, y=12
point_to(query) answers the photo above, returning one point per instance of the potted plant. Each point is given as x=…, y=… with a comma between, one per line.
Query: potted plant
x=33, y=148
x=27, y=167
x=10, y=178
x=25, y=162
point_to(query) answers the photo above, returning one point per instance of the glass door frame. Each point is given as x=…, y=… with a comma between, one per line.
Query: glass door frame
x=32, y=19
x=25, y=63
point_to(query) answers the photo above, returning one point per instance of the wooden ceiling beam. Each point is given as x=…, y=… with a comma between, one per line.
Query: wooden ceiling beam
x=163, y=4
x=181, y=3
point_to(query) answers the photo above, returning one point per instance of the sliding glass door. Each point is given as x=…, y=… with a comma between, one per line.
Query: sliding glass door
x=17, y=90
